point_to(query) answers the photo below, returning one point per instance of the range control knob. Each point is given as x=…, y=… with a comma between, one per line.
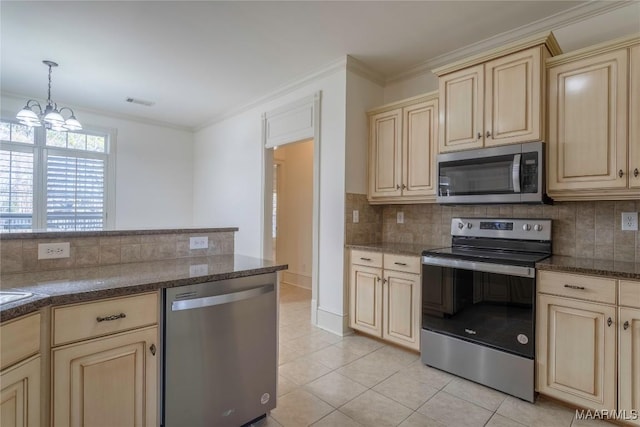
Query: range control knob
x=526, y=227
x=461, y=225
x=469, y=225
x=537, y=227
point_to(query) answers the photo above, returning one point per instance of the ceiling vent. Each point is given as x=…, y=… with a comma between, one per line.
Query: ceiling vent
x=140, y=102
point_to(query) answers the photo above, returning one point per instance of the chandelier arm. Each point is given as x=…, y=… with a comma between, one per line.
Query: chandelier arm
x=66, y=108
x=31, y=103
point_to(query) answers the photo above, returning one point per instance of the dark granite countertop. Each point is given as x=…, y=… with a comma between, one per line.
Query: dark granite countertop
x=599, y=267
x=91, y=283
x=394, y=248
x=107, y=233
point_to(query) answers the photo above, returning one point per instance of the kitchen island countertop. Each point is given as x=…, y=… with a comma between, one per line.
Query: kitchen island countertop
x=57, y=287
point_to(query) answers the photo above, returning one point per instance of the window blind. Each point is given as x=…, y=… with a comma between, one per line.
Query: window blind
x=16, y=190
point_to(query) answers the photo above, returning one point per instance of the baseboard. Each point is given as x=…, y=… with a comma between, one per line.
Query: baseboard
x=299, y=280
x=332, y=322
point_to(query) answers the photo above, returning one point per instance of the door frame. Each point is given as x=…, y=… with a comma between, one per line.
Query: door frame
x=295, y=122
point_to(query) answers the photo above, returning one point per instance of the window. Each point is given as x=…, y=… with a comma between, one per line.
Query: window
x=58, y=181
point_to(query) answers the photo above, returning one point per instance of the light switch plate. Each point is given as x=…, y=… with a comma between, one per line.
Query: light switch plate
x=629, y=221
x=400, y=218
x=198, y=242
x=356, y=217
x=54, y=250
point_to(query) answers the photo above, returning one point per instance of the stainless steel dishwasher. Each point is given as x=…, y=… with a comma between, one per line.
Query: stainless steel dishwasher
x=220, y=350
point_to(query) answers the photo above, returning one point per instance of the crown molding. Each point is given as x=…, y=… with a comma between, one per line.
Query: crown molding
x=559, y=20
x=331, y=68
x=587, y=52
x=110, y=114
x=363, y=70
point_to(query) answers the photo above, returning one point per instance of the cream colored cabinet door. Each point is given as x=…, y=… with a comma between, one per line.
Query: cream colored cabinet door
x=461, y=106
x=419, y=149
x=629, y=361
x=385, y=174
x=634, y=114
x=365, y=299
x=513, y=98
x=588, y=123
x=401, y=310
x=576, y=351
x=110, y=381
x=20, y=395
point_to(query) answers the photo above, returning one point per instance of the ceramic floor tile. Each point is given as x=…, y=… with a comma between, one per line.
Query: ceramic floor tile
x=394, y=355
x=308, y=343
x=590, y=423
x=334, y=357
x=335, y=389
x=374, y=409
x=406, y=390
x=266, y=422
x=337, y=419
x=418, y=420
x=453, y=411
x=433, y=377
x=485, y=397
x=359, y=344
x=498, y=420
x=367, y=372
x=327, y=336
x=299, y=408
x=543, y=413
x=302, y=370
x=287, y=354
x=285, y=385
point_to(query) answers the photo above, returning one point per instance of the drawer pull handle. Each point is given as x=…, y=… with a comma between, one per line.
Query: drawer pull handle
x=152, y=349
x=580, y=288
x=626, y=325
x=404, y=264
x=365, y=259
x=110, y=318
x=609, y=322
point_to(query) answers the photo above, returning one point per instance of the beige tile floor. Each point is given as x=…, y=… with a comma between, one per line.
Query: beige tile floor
x=325, y=380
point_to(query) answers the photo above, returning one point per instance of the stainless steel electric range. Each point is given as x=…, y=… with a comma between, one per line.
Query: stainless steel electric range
x=478, y=302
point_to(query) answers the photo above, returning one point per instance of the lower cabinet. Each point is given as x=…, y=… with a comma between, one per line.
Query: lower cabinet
x=385, y=302
x=629, y=361
x=20, y=395
x=110, y=381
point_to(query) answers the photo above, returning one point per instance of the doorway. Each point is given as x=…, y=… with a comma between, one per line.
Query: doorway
x=292, y=209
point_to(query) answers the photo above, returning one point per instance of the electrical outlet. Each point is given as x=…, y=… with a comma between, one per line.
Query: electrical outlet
x=198, y=242
x=198, y=270
x=356, y=217
x=54, y=250
x=400, y=218
x=629, y=221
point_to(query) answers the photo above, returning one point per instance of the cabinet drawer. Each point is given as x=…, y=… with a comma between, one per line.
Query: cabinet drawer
x=629, y=293
x=578, y=286
x=20, y=338
x=409, y=264
x=82, y=321
x=372, y=259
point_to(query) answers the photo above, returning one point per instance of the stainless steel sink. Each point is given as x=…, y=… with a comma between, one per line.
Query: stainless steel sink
x=12, y=296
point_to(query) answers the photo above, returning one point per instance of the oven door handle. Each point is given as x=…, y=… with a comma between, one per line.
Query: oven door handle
x=515, y=173
x=510, y=270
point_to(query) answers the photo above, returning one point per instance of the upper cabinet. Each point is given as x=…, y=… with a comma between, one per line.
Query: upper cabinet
x=496, y=98
x=402, y=143
x=594, y=103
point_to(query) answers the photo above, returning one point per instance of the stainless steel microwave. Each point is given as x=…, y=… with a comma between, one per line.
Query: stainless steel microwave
x=505, y=174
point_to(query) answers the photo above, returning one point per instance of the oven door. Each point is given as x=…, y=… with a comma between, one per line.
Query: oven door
x=488, y=304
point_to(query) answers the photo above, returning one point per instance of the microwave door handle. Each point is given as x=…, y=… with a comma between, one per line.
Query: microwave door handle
x=515, y=173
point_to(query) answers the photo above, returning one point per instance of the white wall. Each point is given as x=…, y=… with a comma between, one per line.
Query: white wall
x=153, y=169
x=228, y=183
x=362, y=95
x=295, y=211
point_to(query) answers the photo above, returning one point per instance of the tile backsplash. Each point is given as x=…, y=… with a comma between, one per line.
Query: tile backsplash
x=21, y=255
x=580, y=229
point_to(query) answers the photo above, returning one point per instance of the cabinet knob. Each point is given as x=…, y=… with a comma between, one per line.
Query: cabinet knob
x=488, y=134
x=404, y=186
x=397, y=186
x=479, y=135
x=152, y=349
x=620, y=173
x=626, y=325
x=636, y=172
x=609, y=322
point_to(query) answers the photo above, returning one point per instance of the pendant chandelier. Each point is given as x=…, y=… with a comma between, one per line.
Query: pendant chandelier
x=51, y=117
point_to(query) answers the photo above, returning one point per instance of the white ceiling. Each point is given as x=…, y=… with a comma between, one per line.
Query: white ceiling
x=198, y=60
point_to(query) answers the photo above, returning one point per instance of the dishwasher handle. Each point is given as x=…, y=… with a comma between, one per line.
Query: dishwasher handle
x=189, y=304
